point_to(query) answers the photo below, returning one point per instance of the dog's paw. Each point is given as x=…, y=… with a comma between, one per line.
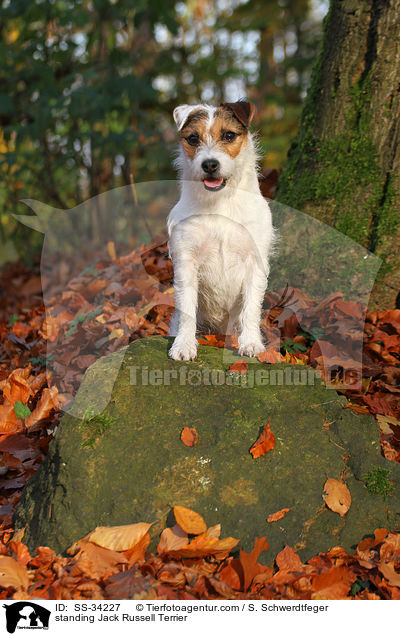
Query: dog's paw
x=250, y=348
x=183, y=349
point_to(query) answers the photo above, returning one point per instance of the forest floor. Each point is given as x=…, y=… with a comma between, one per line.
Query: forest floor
x=120, y=299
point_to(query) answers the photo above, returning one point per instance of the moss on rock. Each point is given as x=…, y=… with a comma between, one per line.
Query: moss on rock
x=138, y=468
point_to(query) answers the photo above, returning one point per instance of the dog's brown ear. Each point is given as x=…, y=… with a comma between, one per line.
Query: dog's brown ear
x=243, y=111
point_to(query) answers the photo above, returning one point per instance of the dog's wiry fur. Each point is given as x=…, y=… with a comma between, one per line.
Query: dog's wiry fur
x=220, y=231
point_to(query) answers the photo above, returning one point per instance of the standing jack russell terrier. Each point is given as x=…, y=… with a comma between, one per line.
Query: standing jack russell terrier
x=220, y=231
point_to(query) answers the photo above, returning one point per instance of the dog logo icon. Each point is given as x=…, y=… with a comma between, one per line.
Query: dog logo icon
x=26, y=615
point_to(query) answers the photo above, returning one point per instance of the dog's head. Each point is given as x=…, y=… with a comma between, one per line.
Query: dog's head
x=214, y=142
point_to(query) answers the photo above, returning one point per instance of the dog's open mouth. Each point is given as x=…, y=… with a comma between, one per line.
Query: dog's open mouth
x=214, y=183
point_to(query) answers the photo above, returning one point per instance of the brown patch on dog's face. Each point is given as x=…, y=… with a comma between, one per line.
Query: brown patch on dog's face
x=193, y=132
x=228, y=132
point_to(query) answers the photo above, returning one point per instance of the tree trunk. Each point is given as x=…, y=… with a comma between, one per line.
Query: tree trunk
x=344, y=166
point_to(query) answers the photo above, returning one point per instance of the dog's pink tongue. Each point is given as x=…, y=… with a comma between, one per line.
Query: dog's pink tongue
x=213, y=183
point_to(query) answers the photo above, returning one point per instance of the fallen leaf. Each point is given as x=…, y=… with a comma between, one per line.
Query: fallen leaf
x=95, y=561
x=249, y=561
x=172, y=539
x=390, y=574
x=337, y=496
x=9, y=422
x=265, y=443
x=190, y=521
x=287, y=559
x=47, y=403
x=189, y=436
x=334, y=584
x=271, y=356
x=276, y=516
x=13, y=574
x=119, y=538
x=240, y=366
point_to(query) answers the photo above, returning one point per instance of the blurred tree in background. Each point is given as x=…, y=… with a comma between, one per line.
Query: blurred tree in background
x=87, y=87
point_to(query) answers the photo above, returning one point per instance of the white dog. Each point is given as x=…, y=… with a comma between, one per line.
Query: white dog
x=220, y=231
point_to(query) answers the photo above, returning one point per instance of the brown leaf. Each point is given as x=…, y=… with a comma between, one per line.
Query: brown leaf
x=276, y=516
x=119, y=538
x=334, y=584
x=16, y=388
x=240, y=366
x=249, y=561
x=9, y=422
x=172, y=539
x=96, y=562
x=287, y=559
x=206, y=545
x=232, y=574
x=190, y=521
x=270, y=356
x=390, y=574
x=265, y=443
x=189, y=436
x=13, y=574
x=47, y=403
x=337, y=496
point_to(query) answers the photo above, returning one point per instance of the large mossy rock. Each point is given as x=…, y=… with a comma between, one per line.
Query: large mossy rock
x=130, y=465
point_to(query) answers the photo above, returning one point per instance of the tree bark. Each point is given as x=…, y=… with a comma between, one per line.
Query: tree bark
x=344, y=166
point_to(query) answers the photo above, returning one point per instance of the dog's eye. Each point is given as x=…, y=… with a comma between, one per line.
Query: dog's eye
x=193, y=140
x=229, y=136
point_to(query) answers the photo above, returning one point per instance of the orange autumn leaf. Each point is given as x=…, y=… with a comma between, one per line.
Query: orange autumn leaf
x=16, y=388
x=172, y=539
x=190, y=521
x=189, y=436
x=232, y=575
x=265, y=443
x=117, y=538
x=249, y=561
x=272, y=356
x=12, y=573
x=287, y=559
x=337, y=496
x=95, y=561
x=276, y=516
x=47, y=403
x=334, y=584
x=390, y=574
x=240, y=366
x=212, y=341
x=9, y=422
x=205, y=545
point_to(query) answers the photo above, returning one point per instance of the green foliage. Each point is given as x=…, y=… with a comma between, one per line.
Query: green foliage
x=87, y=88
x=13, y=319
x=315, y=333
x=81, y=318
x=94, y=426
x=41, y=361
x=378, y=483
x=21, y=410
x=291, y=347
x=359, y=585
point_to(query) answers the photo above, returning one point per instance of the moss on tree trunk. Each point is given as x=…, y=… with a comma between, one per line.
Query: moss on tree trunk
x=344, y=166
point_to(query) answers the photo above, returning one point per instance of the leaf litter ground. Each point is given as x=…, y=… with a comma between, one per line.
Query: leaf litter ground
x=102, y=310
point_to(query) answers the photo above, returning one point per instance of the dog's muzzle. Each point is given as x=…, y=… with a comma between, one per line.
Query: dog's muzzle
x=211, y=181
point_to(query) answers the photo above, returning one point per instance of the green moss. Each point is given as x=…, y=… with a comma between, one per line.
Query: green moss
x=94, y=426
x=339, y=180
x=139, y=469
x=378, y=483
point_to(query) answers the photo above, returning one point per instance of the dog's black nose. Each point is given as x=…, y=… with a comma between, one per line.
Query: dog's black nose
x=210, y=165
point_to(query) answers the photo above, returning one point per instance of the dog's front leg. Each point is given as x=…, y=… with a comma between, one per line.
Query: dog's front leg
x=184, y=319
x=254, y=285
